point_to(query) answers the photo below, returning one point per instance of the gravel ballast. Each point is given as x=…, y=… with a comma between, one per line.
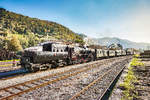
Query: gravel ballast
x=64, y=89
x=5, y=83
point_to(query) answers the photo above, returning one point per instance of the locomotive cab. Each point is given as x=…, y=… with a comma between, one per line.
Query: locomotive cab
x=44, y=56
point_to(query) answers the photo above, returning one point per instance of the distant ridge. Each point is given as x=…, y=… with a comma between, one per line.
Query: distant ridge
x=124, y=42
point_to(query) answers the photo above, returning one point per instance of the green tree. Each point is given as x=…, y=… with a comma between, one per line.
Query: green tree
x=33, y=39
x=13, y=23
x=14, y=44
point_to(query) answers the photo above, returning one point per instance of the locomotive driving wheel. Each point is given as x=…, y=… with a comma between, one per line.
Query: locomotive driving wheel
x=28, y=66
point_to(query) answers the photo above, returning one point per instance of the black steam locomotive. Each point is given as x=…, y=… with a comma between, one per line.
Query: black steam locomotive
x=51, y=55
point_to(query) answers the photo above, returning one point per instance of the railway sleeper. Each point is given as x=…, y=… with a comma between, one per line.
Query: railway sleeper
x=18, y=88
x=9, y=91
x=27, y=86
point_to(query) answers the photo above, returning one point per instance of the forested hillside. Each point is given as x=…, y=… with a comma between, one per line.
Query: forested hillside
x=30, y=31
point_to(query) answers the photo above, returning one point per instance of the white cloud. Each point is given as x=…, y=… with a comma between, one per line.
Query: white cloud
x=137, y=25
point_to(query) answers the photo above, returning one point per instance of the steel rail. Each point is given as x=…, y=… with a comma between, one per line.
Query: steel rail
x=83, y=69
x=94, y=82
x=41, y=84
x=100, y=97
x=87, y=87
x=21, y=75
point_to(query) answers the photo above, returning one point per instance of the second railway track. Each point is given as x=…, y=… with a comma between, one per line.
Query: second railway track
x=97, y=88
x=18, y=89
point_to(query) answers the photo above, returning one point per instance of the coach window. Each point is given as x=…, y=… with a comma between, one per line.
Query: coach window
x=57, y=50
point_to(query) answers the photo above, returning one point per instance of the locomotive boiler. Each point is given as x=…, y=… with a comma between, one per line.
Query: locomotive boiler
x=51, y=54
x=45, y=56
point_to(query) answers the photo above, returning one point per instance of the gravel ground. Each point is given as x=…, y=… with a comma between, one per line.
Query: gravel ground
x=143, y=86
x=117, y=92
x=98, y=89
x=6, y=83
x=143, y=75
x=64, y=89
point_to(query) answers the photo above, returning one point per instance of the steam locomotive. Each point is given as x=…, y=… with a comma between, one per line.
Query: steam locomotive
x=52, y=54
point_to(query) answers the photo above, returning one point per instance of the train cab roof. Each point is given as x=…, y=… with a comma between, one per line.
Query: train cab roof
x=35, y=48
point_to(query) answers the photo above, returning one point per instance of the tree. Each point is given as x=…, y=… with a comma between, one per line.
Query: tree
x=12, y=23
x=33, y=40
x=14, y=44
x=4, y=42
x=23, y=40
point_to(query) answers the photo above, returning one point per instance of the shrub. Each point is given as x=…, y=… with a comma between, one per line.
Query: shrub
x=14, y=44
x=136, y=62
x=128, y=84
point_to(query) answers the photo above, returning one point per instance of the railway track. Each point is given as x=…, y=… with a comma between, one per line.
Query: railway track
x=15, y=75
x=18, y=89
x=40, y=82
x=98, y=88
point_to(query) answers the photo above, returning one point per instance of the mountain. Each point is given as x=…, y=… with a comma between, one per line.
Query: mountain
x=12, y=23
x=82, y=35
x=125, y=43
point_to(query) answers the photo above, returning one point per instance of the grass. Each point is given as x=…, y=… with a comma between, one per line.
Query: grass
x=129, y=91
x=128, y=85
x=136, y=62
x=9, y=60
x=136, y=55
x=7, y=65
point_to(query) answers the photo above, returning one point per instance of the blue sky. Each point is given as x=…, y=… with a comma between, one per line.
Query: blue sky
x=126, y=19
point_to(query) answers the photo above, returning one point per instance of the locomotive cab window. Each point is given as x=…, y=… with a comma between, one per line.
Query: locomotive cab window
x=47, y=47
